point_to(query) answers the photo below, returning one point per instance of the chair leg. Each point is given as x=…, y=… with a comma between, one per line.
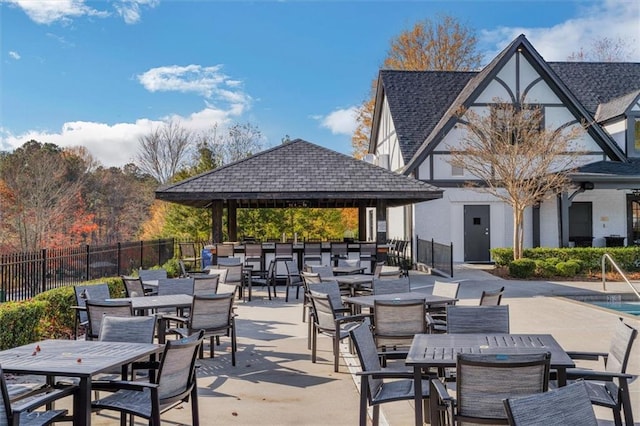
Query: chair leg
x=211, y=346
x=314, y=337
x=234, y=346
x=376, y=415
x=286, y=291
x=617, y=418
x=336, y=353
x=364, y=389
x=195, y=411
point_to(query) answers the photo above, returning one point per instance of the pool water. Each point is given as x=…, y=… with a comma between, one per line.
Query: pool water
x=631, y=308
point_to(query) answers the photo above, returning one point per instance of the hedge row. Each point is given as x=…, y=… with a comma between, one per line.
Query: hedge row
x=48, y=315
x=590, y=258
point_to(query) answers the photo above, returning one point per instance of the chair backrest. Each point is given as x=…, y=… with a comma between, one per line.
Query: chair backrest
x=491, y=297
x=205, y=284
x=620, y=347
x=98, y=309
x=252, y=251
x=175, y=286
x=444, y=289
x=284, y=250
x=391, y=286
x=330, y=288
x=397, y=321
x=221, y=273
x=226, y=288
x=135, y=329
x=484, y=380
x=224, y=250
x=229, y=261
x=310, y=277
x=365, y=345
x=349, y=262
x=187, y=250
x=293, y=273
x=211, y=312
x=568, y=405
x=339, y=250
x=477, y=319
x=234, y=273
x=325, y=271
x=85, y=292
x=133, y=286
x=312, y=249
x=324, y=314
x=176, y=376
x=368, y=250
x=152, y=274
x=378, y=269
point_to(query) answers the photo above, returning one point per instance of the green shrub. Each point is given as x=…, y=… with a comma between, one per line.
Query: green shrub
x=545, y=268
x=568, y=268
x=172, y=267
x=578, y=262
x=21, y=322
x=522, y=268
x=502, y=256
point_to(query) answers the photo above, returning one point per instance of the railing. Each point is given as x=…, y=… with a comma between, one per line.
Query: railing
x=608, y=257
x=24, y=275
x=435, y=255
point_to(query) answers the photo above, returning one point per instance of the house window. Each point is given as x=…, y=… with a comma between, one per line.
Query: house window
x=512, y=124
x=457, y=171
x=637, y=134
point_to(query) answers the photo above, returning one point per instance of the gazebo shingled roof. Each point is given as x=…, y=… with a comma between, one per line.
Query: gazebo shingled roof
x=299, y=174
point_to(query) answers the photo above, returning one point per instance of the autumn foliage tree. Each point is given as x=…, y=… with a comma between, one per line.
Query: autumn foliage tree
x=517, y=160
x=445, y=44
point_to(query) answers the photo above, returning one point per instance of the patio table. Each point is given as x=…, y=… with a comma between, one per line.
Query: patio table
x=352, y=281
x=348, y=270
x=441, y=350
x=429, y=299
x=74, y=358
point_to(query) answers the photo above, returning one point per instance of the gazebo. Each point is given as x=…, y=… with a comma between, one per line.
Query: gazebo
x=298, y=174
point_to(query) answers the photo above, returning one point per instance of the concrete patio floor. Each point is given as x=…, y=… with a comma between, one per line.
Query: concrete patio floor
x=275, y=383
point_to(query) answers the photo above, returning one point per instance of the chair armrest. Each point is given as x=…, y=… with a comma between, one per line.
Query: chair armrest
x=353, y=318
x=591, y=356
x=576, y=373
x=115, y=385
x=389, y=374
x=44, y=398
x=175, y=318
x=393, y=354
x=441, y=390
x=79, y=308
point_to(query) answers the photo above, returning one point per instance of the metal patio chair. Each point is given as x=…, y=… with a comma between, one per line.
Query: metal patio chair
x=98, y=309
x=491, y=297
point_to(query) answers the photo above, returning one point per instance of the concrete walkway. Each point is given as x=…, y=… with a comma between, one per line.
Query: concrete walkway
x=275, y=383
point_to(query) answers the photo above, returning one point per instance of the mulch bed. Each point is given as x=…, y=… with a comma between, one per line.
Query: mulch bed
x=503, y=272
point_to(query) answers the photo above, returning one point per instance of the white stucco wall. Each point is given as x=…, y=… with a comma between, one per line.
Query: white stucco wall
x=609, y=213
x=618, y=132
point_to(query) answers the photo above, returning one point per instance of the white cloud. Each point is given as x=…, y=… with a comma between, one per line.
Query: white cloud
x=130, y=9
x=14, y=55
x=341, y=121
x=113, y=144
x=613, y=19
x=50, y=11
x=209, y=82
x=64, y=11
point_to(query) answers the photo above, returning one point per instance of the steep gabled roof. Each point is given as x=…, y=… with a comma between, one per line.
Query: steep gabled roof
x=299, y=173
x=418, y=100
x=595, y=83
x=479, y=81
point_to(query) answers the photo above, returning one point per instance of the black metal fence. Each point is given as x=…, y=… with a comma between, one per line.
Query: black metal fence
x=435, y=255
x=23, y=275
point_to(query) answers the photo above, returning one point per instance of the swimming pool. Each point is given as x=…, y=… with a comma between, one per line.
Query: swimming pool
x=623, y=303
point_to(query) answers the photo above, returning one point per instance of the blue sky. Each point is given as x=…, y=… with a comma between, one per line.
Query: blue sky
x=101, y=74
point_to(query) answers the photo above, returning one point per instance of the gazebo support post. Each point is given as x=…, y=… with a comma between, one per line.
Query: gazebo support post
x=381, y=228
x=216, y=222
x=232, y=220
x=362, y=222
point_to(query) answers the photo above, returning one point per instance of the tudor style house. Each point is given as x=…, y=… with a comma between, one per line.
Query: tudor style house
x=415, y=127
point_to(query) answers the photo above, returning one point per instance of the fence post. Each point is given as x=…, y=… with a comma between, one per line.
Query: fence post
x=88, y=260
x=43, y=272
x=433, y=249
x=451, y=258
x=118, y=254
x=3, y=294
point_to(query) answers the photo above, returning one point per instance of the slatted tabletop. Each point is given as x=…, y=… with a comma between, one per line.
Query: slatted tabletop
x=74, y=358
x=140, y=303
x=368, y=301
x=441, y=350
